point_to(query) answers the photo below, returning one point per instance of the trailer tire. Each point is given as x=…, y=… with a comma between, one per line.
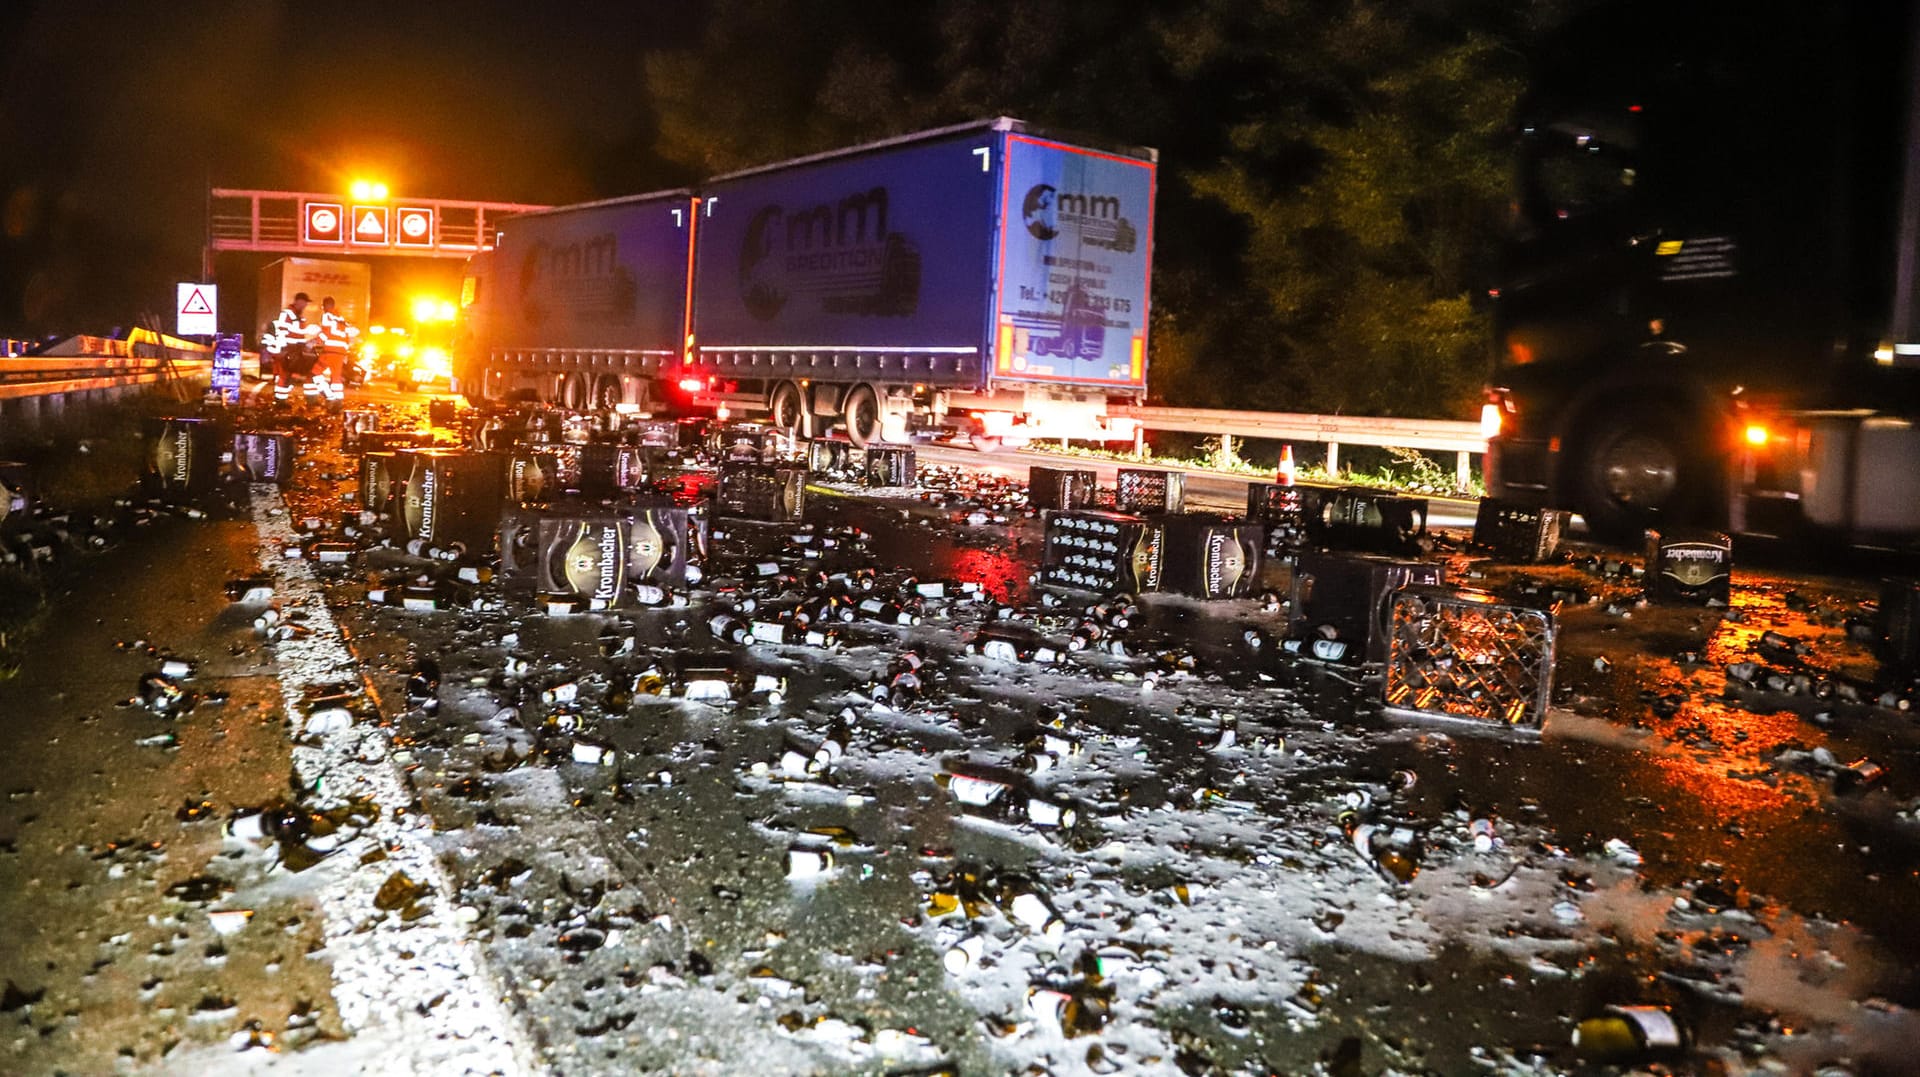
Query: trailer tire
x=573, y=392
x=1637, y=466
x=787, y=409
x=862, y=409
x=607, y=392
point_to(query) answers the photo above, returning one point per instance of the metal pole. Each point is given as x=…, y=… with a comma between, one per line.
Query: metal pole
x=1139, y=442
x=1333, y=459
x=1225, y=458
x=1463, y=470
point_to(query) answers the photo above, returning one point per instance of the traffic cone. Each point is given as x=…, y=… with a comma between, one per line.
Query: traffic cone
x=1286, y=465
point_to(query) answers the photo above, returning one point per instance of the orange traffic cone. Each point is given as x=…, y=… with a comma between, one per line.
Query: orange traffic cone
x=1286, y=465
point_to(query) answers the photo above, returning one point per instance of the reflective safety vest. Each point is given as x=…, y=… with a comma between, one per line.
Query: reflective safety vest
x=336, y=332
x=289, y=329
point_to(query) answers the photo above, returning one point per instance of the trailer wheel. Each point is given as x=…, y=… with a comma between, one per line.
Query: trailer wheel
x=607, y=392
x=1635, y=467
x=862, y=408
x=574, y=394
x=789, y=411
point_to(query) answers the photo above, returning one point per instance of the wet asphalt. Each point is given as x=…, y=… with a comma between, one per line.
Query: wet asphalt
x=639, y=917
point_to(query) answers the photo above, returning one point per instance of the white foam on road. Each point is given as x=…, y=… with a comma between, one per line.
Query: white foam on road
x=418, y=991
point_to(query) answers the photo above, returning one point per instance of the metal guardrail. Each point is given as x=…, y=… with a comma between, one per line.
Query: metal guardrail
x=1427, y=435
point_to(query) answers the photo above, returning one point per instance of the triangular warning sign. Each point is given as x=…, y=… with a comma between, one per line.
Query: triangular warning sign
x=370, y=225
x=196, y=304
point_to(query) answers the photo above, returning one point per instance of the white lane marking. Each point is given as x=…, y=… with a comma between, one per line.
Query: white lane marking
x=418, y=987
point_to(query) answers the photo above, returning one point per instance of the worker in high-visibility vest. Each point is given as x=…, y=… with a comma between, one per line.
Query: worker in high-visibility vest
x=289, y=341
x=337, y=336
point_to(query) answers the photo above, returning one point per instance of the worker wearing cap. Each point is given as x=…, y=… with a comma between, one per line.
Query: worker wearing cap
x=337, y=335
x=289, y=341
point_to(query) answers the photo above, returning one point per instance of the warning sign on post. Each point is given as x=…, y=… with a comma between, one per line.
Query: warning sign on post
x=197, y=310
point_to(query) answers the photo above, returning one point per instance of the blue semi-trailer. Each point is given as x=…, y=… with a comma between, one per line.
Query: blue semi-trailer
x=987, y=281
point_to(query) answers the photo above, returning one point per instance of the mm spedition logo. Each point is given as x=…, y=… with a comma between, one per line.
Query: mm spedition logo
x=841, y=255
x=1095, y=218
x=591, y=564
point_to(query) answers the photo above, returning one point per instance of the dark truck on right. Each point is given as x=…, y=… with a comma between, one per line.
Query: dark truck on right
x=1709, y=305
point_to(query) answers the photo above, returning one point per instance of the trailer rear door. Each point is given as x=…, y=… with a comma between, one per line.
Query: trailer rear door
x=1075, y=254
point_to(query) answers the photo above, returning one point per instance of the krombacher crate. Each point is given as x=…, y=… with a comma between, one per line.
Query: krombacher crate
x=1690, y=566
x=1517, y=533
x=451, y=496
x=1061, y=489
x=1208, y=556
x=1362, y=518
x=1351, y=595
x=1107, y=552
x=757, y=491
x=183, y=456
x=266, y=455
x=889, y=465
x=16, y=492
x=1149, y=492
x=533, y=477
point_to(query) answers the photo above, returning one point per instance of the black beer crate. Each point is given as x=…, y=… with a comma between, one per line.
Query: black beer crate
x=889, y=465
x=354, y=423
x=597, y=554
x=1899, y=624
x=1208, y=556
x=380, y=479
x=756, y=491
x=1061, y=489
x=266, y=455
x=1690, y=567
x=183, y=456
x=442, y=412
x=16, y=492
x=1373, y=521
x=1350, y=596
x=1149, y=492
x=829, y=456
x=449, y=496
x=1283, y=510
x=1107, y=552
x=608, y=469
x=532, y=477
x=1467, y=654
x=1517, y=533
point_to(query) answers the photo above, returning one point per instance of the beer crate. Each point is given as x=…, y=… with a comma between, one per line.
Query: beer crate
x=1283, y=510
x=1061, y=489
x=354, y=423
x=442, y=412
x=596, y=554
x=1517, y=533
x=1463, y=653
x=889, y=465
x=758, y=491
x=532, y=477
x=16, y=492
x=829, y=456
x=450, y=496
x=608, y=469
x=1365, y=519
x=1689, y=567
x=183, y=456
x=1149, y=492
x=266, y=455
x=380, y=478
x=1351, y=596
x=1899, y=623
x=1107, y=552
x=1208, y=556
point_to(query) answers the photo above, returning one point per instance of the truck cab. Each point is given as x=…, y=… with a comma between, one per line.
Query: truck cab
x=1704, y=208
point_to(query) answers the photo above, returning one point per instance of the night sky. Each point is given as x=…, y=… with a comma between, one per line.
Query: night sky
x=115, y=118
